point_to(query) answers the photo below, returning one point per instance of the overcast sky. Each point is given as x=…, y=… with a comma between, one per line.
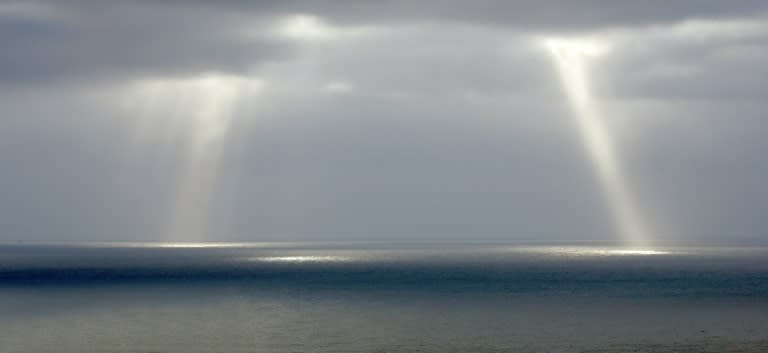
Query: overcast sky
x=375, y=120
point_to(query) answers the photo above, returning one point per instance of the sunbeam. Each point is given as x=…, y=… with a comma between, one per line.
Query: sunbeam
x=572, y=58
x=200, y=111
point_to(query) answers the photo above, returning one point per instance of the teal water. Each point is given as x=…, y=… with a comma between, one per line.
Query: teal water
x=355, y=297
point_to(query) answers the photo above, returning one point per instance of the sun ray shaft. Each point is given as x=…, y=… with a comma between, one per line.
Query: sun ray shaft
x=199, y=110
x=572, y=58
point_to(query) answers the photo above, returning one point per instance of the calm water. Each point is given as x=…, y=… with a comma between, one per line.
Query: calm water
x=339, y=297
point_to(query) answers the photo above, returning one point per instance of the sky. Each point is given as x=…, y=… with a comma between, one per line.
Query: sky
x=231, y=120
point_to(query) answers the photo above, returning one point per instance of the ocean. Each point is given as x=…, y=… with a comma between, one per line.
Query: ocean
x=381, y=297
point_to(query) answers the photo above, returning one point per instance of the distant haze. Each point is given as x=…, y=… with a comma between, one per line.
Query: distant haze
x=376, y=120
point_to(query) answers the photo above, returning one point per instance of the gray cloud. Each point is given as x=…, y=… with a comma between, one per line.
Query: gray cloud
x=84, y=38
x=692, y=60
x=125, y=39
x=538, y=15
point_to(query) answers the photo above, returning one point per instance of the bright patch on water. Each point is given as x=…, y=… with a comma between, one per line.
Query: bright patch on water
x=595, y=251
x=301, y=259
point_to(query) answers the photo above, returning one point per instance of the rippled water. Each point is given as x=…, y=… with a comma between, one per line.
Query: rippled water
x=335, y=297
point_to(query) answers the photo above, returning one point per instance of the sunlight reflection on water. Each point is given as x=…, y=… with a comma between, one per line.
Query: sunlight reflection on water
x=594, y=251
x=301, y=259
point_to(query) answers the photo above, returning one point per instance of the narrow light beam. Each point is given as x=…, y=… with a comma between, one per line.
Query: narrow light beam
x=572, y=58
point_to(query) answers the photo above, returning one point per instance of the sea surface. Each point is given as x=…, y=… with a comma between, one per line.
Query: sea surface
x=379, y=297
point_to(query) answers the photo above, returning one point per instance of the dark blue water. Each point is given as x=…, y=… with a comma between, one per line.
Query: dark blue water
x=380, y=297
